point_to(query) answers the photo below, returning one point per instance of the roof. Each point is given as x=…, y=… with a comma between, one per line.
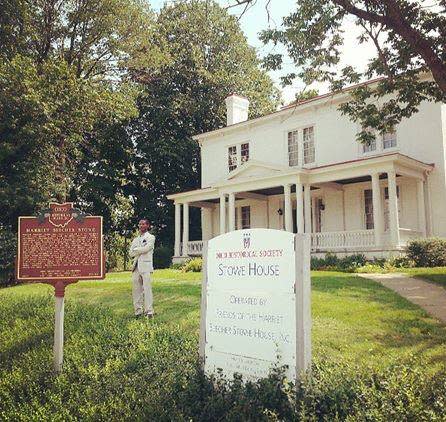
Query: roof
x=286, y=109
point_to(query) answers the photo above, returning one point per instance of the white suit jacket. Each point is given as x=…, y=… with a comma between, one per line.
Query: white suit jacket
x=141, y=250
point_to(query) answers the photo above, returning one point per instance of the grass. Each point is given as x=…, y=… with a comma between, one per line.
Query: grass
x=117, y=367
x=437, y=275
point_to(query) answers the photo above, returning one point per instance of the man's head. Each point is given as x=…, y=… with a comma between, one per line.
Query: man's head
x=143, y=225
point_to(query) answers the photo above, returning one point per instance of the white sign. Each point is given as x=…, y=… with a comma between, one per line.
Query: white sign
x=252, y=311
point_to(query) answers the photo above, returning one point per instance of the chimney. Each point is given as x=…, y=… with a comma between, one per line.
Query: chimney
x=236, y=109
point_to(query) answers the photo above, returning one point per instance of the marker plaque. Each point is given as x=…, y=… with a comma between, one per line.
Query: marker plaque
x=60, y=246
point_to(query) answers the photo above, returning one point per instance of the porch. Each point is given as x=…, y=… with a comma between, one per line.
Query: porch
x=372, y=206
x=353, y=241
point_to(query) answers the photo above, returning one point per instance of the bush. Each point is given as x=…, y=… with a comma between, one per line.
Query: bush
x=427, y=252
x=162, y=257
x=8, y=248
x=192, y=265
x=332, y=263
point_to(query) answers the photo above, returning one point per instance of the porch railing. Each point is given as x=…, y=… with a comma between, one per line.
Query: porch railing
x=332, y=241
x=194, y=248
x=406, y=235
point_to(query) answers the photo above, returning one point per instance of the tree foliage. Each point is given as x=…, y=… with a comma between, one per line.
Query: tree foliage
x=409, y=37
x=64, y=77
x=208, y=59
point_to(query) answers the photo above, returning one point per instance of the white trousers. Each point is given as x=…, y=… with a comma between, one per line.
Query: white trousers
x=142, y=293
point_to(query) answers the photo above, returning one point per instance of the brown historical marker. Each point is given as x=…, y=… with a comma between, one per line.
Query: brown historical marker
x=60, y=246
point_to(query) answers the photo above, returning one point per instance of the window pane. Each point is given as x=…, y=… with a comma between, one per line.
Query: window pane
x=244, y=153
x=371, y=146
x=232, y=158
x=293, y=158
x=308, y=140
x=389, y=139
x=246, y=217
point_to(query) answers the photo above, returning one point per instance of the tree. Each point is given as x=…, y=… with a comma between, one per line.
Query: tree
x=306, y=94
x=409, y=37
x=65, y=69
x=209, y=58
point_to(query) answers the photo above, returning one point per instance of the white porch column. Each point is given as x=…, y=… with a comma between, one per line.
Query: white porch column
x=222, y=214
x=231, y=210
x=185, y=229
x=288, y=208
x=377, y=209
x=393, y=209
x=307, y=200
x=421, y=208
x=177, y=229
x=299, y=207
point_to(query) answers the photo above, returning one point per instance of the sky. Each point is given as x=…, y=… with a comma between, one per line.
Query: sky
x=255, y=19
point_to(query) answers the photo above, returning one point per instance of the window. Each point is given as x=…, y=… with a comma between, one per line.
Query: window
x=308, y=142
x=246, y=217
x=293, y=148
x=368, y=209
x=244, y=153
x=237, y=154
x=232, y=158
x=389, y=139
x=369, y=146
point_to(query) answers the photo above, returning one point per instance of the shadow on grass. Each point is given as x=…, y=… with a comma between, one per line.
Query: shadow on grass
x=405, y=324
x=438, y=279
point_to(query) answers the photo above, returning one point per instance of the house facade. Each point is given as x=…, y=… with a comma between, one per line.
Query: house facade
x=301, y=169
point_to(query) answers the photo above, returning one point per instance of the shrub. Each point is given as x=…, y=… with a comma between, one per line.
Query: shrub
x=427, y=252
x=332, y=263
x=369, y=268
x=192, y=265
x=162, y=257
x=8, y=248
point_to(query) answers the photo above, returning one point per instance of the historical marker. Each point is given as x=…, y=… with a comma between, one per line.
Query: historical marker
x=256, y=303
x=60, y=246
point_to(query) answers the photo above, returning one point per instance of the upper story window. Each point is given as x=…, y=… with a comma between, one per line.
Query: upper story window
x=293, y=148
x=244, y=153
x=301, y=148
x=389, y=139
x=232, y=158
x=308, y=144
x=237, y=154
x=369, y=146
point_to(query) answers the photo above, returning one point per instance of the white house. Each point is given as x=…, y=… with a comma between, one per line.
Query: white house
x=301, y=169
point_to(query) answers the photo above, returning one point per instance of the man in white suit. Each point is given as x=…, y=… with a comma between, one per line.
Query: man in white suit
x=141, y=250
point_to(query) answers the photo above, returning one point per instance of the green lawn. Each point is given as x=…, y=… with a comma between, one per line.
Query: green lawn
x=436, y=275
x=117, y=366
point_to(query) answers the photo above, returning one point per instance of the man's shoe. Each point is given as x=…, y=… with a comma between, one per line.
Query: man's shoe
x=150, y=316
x=138, y=316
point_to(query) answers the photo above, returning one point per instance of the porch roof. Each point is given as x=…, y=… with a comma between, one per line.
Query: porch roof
x=266, y=179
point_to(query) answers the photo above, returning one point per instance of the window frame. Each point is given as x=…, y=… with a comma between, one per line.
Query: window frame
x=235, y=166
x=299, y=131
x=237, y=155
x=242, y=217
x=304, y=162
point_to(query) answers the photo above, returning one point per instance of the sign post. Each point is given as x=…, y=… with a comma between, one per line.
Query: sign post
x=255, y=311
x=60, y=246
